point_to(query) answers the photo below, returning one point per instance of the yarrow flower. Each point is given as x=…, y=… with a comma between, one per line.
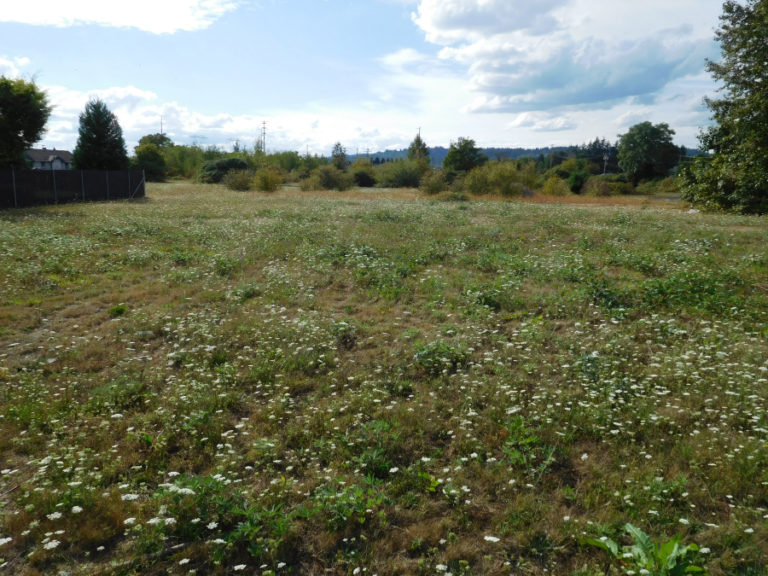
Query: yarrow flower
x=51, y=545
x=490, y=538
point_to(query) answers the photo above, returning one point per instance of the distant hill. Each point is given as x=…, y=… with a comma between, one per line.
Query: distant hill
x=438, y=153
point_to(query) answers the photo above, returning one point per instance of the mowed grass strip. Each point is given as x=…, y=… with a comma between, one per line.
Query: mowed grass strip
x=378, y=382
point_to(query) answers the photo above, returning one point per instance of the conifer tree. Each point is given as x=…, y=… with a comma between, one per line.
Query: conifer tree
x=100, y=145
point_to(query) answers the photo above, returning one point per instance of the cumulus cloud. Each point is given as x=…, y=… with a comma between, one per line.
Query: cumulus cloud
x=449, y=21
x=152, y=16
x=526, y=55
x=11, y=67
x=543, y=122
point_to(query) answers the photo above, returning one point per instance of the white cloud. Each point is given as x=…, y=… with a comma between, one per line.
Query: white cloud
x=556, y=56
x=543, y=122
x=450, y=21
x=11, y=67
x=157, y=17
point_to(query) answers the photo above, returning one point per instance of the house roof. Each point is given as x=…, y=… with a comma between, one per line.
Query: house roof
x=46, y=155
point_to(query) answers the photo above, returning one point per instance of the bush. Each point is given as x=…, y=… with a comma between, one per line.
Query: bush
x=401, y=174
x=576, y=181
x=433, y=182
x=608, y=185
x=240, y=180
x=506, y=178
x=213, y=171
x=555, y=186
x=331, y=178
x=268, y=179
x=363, y=173
x=666, y=187
x=311, y=183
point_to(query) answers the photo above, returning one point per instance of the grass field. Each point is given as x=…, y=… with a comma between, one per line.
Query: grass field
x=212, y=382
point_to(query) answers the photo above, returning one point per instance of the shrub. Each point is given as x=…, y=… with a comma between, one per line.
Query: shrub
x=268, y=179
x=213, y=171
x=363, y=173
x=666, y=187
x=310, y=183
x=608, y=185
x=433, y=182
x=401, y=174
x=506, y=178
x=577, y=180
x=331, y=178
x=555, y=186
x=240, y=180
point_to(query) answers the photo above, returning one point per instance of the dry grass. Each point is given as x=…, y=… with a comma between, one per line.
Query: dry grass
x=316, y=382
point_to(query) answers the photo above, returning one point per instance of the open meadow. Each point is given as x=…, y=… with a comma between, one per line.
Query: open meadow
x=379, y=382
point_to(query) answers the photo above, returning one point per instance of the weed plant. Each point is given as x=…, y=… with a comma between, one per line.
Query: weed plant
x=210, y=382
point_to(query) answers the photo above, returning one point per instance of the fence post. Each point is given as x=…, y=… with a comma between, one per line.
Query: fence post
x=55, y=192
x=107, y=173
x=82, y=184
x=129, y=183
x=13, y=181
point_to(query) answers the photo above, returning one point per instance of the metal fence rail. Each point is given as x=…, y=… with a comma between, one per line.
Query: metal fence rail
x=19, y=188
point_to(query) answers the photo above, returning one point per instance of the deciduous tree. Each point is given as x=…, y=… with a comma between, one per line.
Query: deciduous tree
x=734, y=176
x=100, y=145
x=24, y=111
x=646, y=151
x=463, y=156
x=149, y=158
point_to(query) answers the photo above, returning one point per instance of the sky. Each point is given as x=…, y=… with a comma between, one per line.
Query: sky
x=369, y=74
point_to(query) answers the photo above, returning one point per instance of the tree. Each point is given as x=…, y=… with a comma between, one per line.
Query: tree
x=24, y=111
x=418, y=150
x=734, y=176
x=463, y=156
x=100, y=144
x=150, y=159
x=646, y=151
x=160, y=140
x=339, y=157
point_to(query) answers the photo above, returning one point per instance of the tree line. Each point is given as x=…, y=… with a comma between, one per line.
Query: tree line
x=731, y=173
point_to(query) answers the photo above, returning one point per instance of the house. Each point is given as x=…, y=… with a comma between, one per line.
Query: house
x=44, y=159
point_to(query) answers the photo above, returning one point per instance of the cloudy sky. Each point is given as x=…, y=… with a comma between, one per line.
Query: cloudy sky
x=367, y=73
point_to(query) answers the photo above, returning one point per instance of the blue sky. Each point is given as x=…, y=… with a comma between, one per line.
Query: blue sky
x=367, y=73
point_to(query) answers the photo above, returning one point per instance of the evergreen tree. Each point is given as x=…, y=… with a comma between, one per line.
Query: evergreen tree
x=339, y=157
x=418, y=150
x=24, y=111
x=735, y=174
x=100, y=145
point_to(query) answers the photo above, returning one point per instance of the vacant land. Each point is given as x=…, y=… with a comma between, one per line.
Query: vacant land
x=214, y=382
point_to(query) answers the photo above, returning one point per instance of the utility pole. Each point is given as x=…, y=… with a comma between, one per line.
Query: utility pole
x=264, y=136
